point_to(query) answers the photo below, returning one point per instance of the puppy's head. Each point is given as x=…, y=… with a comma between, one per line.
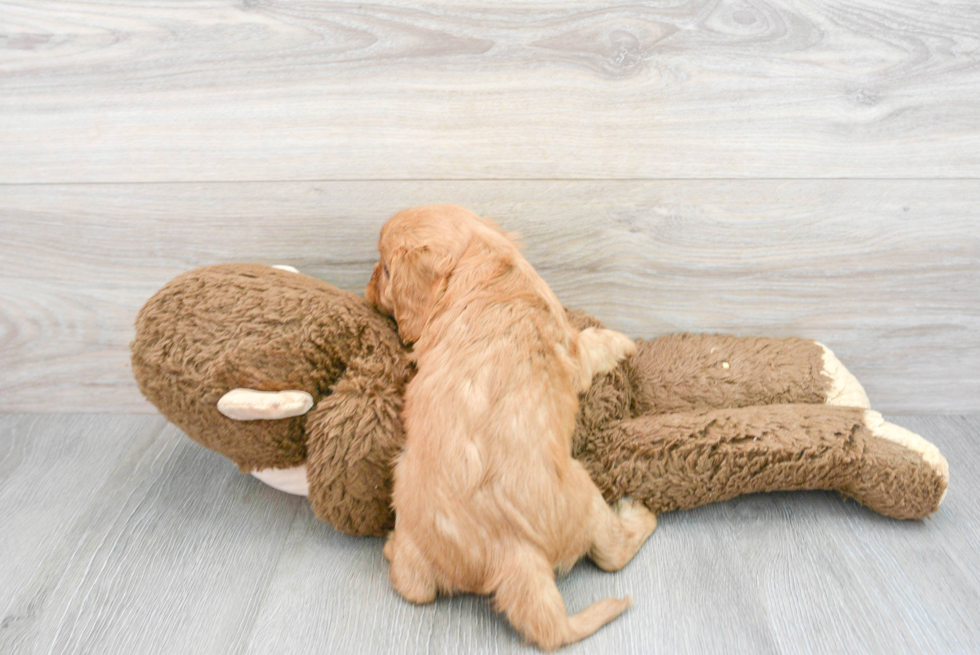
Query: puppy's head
x=419, y=249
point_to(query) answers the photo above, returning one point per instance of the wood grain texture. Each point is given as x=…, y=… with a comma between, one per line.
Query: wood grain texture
x=51, y=469
x=141, y=541
x=961, y=453
x=674, y=610
x=268, y=90
x=172, y=552
x=885, y=272
x=872, y=585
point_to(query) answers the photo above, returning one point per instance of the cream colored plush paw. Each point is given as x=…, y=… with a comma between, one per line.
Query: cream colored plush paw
x=252, y=405
x=292, y=480
x=884, y=430
x=286, y=267
x=845, y=390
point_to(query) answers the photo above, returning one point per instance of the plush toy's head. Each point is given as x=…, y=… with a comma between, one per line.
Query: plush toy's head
x=223, y=327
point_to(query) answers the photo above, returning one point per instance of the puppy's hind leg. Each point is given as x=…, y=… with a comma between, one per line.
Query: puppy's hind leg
x=528, y=596
x=411, y=573
x=600, y=350
x=618, y=534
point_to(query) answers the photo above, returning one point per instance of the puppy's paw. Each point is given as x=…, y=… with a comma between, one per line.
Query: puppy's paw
x=617, y=540
x=601, y=350
x=621, y=346
x=389, y=549
x=636, y=516
x=411, y=574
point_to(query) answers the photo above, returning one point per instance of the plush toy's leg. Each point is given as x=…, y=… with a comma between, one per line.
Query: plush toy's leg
x=683, y=460
x=252, y=405
x=690, y=372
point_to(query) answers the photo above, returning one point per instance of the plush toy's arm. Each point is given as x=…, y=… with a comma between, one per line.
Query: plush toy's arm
x=353, y=437
x=688, y=372
x=679, y=461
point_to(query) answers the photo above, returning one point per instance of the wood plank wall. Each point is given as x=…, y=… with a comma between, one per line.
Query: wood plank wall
x=771, y=167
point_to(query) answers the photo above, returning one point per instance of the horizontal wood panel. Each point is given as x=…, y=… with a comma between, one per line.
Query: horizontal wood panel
x=121, y=91
x=885, y=272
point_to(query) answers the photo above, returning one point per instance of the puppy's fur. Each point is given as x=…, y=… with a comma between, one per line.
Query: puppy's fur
x=487, y=497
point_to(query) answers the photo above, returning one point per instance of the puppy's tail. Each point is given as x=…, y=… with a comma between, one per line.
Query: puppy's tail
x=528, y=596
x=599, y=351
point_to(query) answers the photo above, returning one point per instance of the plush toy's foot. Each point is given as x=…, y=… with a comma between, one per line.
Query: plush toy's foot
x=938, y=473
x=252, y=405
x=291, y=480
x=285, y=267
x=845, y=390
x=884, y=430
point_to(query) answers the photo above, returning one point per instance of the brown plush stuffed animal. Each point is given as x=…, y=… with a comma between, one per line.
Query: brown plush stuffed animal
x=301, y=384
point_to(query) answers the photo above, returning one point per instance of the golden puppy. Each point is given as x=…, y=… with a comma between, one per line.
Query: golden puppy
x=487, y=497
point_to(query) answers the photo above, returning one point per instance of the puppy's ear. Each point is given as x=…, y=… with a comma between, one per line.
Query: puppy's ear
x=371, y=292
x=419, y=276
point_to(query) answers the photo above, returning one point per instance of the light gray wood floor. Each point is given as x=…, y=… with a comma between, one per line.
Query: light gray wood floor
x=120, y=535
